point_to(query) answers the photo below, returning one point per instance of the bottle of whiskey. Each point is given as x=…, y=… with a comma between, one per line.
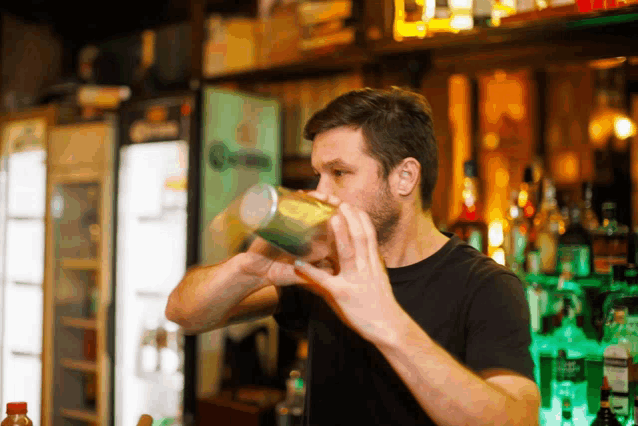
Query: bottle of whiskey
x=590, y=220
x=574, y=248
x=547, y=224
x=516, y=239
x=605, y=415
x=470, y=225
x=527, y=197
x=610, y=241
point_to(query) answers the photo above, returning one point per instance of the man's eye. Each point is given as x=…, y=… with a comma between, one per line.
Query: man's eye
x=338, y=173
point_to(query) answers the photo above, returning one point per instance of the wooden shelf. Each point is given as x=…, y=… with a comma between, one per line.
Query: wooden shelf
x=85, y=415
x=83, y=323
x=84, y=366
x=559, y=37
x=80, y=264
x=342, y=58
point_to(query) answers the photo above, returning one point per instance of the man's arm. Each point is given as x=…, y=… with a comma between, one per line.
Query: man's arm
x=449, y=392
x=210, y=297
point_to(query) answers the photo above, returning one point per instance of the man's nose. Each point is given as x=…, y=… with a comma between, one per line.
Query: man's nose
x=324, y=186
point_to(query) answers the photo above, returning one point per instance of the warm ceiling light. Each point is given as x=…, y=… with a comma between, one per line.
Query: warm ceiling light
x=604, y=64
x=624, y=127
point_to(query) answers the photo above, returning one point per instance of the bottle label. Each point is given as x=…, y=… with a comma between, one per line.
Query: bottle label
x=475, y=239
x=572, y=370
x=617, y=372
x=574, y=258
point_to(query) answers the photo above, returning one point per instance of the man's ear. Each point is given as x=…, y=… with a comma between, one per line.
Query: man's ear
x=409, y=173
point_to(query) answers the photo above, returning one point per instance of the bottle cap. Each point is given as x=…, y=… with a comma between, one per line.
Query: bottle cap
x=258, y=205
x=528, y=175
x=618, y=272
x=470, y=169
x=16, y=408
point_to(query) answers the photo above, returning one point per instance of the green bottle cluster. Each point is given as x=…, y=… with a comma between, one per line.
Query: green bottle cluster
x=582, y=290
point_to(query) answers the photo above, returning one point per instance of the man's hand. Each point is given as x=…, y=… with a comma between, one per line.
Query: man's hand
x=276, y=266
x=360, y=293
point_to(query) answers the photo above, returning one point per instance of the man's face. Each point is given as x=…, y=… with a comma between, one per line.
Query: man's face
x=347, y=172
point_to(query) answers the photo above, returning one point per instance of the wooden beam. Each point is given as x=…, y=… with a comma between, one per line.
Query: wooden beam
x=197, y=11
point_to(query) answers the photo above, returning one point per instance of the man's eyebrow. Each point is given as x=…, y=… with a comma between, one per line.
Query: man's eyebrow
x=337, y=162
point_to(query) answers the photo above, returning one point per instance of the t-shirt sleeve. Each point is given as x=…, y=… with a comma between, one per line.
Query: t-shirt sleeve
x=293, y=311
x=498, y=327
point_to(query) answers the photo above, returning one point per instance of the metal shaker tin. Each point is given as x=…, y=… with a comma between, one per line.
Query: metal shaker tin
x=290, y=220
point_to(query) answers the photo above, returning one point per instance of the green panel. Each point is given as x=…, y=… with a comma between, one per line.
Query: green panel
x=241, y=146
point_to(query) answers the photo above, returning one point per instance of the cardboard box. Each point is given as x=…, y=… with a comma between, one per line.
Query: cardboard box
x=280, y=35
x=231, y=45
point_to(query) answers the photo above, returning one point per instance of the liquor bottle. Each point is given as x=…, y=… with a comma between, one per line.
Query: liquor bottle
x=16, y=415
x=636, y=409
x=605, y=415
x=617, y=289
x=572, y=347
x=527, y=196
x=547, y=224
x=590, y=220
x=169, y=355
x=289, y=412
x=515, y=242
x=148, y=358
x=610, y=241
x=617, y=364
x=567, y=412
x=574, y=248
x=470, y=225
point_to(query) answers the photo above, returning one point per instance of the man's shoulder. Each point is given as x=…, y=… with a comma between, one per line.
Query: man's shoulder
x=465, y=260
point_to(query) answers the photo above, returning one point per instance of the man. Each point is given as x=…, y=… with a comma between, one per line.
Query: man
x=409, y=326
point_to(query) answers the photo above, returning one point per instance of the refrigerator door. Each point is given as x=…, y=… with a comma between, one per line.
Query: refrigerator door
x=241, y=146
x=150, y=261
x=22, y=235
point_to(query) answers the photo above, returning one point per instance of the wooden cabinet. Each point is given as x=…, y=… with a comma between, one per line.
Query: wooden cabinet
x=77, y=289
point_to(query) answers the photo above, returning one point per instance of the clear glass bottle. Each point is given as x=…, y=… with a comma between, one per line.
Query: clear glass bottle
x=617, y=288
x=618, y=363
x=573, y=348
x=289, y=412
x=548, y=222
x=610, y=242
x=470, y=225
x=515, y=243
x=16, y=415
x=590, y=219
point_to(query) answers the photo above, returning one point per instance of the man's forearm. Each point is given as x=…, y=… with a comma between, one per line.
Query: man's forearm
x=205, y=296
x=449, y=392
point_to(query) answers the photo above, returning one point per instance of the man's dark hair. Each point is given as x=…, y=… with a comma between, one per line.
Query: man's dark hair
x=395, y=123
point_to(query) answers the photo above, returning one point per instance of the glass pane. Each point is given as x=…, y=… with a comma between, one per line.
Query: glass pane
x=75, y=210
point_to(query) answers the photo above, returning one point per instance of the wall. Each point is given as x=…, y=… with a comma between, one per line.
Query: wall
x=31, y=59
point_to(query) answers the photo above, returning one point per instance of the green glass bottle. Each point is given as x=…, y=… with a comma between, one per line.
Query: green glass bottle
x=574, y=248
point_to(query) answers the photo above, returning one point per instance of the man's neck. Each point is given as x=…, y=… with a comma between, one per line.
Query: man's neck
x=415, y=239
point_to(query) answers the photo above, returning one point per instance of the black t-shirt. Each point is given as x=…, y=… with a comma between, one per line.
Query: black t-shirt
x=471, y=306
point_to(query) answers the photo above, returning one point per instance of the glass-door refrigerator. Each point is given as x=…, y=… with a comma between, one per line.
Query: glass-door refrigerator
x=240, y=146
x=151, y=257
x=23, y=171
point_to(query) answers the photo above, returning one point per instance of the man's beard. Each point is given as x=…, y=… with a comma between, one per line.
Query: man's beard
x=384, y=214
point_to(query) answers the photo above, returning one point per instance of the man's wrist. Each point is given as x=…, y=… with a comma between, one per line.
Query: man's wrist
x=248, y=269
